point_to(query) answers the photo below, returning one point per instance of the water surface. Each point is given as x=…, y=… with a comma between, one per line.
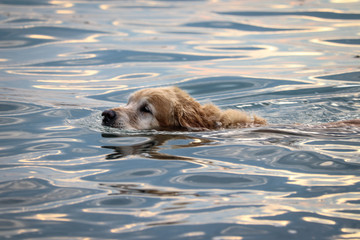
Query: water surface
x=64, y=176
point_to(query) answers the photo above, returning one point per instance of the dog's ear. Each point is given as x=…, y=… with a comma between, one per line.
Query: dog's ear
x=189, y=115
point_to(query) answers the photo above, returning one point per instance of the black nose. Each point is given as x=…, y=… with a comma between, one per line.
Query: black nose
x=109, y=117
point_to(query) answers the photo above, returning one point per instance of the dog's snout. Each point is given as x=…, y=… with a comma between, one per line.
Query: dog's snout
x=109, y=117
x=109, y=114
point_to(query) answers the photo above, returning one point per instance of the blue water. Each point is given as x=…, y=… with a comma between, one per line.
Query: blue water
x=64, y=176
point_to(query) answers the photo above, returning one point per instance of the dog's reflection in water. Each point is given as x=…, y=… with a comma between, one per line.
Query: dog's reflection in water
x=151, y=147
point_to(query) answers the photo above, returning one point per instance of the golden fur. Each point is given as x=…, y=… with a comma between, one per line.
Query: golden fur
x=170, y=108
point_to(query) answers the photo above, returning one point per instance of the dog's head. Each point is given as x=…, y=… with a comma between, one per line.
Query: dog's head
x=170, y=108
x=166, y=108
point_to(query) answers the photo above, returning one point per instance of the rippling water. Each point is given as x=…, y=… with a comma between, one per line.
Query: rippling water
x=64, y=176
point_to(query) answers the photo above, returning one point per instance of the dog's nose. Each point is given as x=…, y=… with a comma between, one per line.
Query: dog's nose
x=109, y=117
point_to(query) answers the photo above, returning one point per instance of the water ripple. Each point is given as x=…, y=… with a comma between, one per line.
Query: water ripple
x=347, y=76
x=17, y=193
x=26, y=2
x=318, y=14
x=31, y=36
x=313, y=162
x=16, y=108
x=219, y=180
x=10, y=121
x=64, y=175
x=345, y=41
x=235, y=26
x=124, y=56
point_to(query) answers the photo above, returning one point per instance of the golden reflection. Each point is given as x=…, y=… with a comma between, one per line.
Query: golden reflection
x=54, y=72
x=250, y=215
x=150, y=32
x=263, y=51
x=323, y=180
x=279, y=6
x=141, y=4
x=167, y=220
x=38, y=36
x=301, y=179
x=346, y=150
x=65, y=12
x=348, y=198
x=298, y=54
x=65, y=4
x=127, y=227
x=310, y=71
x=318, y=41
x=49, y=217
x=116, y=23
x=29, y=230
x=192, y=234
x=84, y=55
x=146, y=214
x=228, y=238
x=350, y=233
x=339, y=212
x=351, y=24
x=89, y=39
x=38, y=155
x=41, y=158
x=319, y=220
x=104, y=7
x=231, y=33
x=324, y=205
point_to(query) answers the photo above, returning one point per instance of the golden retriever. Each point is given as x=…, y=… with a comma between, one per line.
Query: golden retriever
x=170, y=108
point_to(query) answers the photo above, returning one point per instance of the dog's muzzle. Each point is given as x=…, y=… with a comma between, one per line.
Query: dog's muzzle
x=109, y=117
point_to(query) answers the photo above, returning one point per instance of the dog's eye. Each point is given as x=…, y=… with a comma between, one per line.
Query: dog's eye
x=145, y=109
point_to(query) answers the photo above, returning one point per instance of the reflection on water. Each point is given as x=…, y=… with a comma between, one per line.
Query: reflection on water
x=63, y=175
x=25, y=37
x=318, y=14
x=115, y=56
x=150, y=147
x=236, y=26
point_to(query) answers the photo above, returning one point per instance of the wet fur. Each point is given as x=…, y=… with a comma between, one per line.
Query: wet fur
x=173, y=109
